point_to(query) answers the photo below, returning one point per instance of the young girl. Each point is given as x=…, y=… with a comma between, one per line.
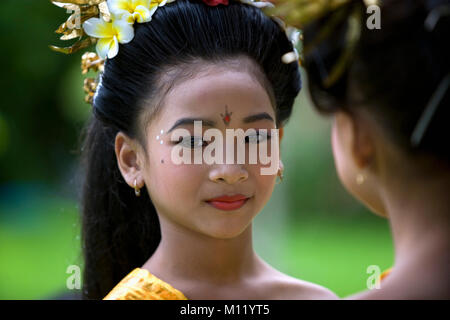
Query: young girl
x=388, y=90
x=182, y=230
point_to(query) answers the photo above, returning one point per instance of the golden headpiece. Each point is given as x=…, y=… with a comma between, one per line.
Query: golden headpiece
x=300, y=13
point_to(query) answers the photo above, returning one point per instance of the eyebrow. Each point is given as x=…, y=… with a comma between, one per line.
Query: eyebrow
x=259, y=116
x=210, y=123
x=190, y=121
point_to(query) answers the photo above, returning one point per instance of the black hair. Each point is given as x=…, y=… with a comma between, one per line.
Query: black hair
x=392, y=72
x=119, y=230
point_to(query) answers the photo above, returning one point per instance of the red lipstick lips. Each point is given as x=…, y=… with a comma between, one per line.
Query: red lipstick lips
x=228, y=203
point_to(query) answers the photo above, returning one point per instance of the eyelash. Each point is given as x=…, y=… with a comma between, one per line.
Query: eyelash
x=205, y=143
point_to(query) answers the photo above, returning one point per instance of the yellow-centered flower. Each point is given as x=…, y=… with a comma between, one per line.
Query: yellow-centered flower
x=131, y=10
x=154, y=4
x=110, y=34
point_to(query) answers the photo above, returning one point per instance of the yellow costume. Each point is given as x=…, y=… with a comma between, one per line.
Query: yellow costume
x=140, y=284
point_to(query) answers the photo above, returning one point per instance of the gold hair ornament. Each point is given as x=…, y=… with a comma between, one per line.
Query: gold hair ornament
x=108, y=23
x=300, y=13
x=71, y=29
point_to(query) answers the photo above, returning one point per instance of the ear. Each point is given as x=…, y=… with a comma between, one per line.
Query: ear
x=362, y=141
x=280, y=133
x=128, y=155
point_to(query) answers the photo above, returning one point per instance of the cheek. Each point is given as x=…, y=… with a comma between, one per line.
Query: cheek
x=166, y=181
x=347, y=170
x=264, y=185
x=170, y=179
x=337, y=152
x=341, y=157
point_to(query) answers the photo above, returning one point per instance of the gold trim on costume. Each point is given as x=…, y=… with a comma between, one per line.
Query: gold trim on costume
x=140, y=284
x=385, y=273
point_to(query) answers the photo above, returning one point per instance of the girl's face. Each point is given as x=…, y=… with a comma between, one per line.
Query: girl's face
x=180, y=192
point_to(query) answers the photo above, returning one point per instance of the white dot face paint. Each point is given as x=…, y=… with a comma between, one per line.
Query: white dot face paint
x=158, y=137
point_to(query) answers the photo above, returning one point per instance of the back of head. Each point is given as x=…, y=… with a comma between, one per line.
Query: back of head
x=393, y=72
x=120, y=232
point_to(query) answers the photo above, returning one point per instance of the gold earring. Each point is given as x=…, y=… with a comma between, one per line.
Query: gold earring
x=360, y=178
x=137, y=191
x=280, y=175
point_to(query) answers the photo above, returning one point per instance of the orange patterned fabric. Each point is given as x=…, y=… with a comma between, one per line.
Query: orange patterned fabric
x=140, y=284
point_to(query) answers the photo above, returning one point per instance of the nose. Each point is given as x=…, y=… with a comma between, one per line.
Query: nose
x=228, y=173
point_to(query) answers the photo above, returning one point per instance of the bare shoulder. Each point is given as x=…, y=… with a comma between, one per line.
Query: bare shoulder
x=291, y=288
x=280, y=286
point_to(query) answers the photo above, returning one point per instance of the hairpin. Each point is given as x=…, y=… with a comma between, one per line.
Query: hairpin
x=436, y=98
x=429, y=111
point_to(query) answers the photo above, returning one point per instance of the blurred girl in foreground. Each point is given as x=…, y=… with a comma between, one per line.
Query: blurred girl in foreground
x=388, y=92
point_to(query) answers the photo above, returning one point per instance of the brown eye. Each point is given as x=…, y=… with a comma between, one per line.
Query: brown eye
x=257, y=138
x=192, y=142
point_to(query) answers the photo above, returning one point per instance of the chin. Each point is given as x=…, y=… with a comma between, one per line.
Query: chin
x=224, y=236
x=369, y=200
x=372, y=203
x=377, y=210
x=224, y=231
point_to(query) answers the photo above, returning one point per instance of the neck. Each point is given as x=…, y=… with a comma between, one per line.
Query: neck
x=419, y=214
x=185, y=254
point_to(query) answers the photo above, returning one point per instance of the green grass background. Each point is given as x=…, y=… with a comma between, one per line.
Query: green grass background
x=332, y=252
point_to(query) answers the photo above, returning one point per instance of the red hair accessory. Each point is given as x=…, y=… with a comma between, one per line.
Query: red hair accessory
x=214, y=3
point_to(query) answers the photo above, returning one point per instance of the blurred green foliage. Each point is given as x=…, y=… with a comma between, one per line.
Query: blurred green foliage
x=39, y=239
x=39, y=118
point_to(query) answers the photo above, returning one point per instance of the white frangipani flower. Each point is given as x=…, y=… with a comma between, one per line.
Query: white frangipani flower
x=131, y=10
x=110, y=34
